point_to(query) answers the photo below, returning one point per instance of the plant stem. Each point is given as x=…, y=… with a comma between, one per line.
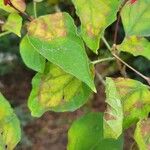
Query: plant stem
x=100, y=77
x=118, y=58
x=34, y=9
x=118, y=21
x=102, y=60
x=4, y=33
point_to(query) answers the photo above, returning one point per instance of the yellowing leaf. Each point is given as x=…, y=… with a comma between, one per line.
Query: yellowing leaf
x=135, y=18
x=57, y=91
x=55, y=37
x=95, y=16
x=10, y=132
x=135, y=98
x=113, y=116
x=19, y=4
x=13, y=24
x=136, y=46
x=142, y=134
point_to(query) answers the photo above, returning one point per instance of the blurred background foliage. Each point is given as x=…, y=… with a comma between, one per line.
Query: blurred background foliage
x=15, y=81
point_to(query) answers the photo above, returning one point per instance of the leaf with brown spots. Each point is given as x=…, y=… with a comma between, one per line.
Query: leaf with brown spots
x=135, y=98
x=10, y=132
x=95, y=16
x=57, y=91
x=55, y=37
x=142, y=134
x=113, y=116
x=137, y=46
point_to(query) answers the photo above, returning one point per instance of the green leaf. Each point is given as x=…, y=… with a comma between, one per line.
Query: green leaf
x=19, y=4
x=31, y=57
x=135, y=99
x=136, y=46
x=57, y=91
x=113, y=116
x=13, y=24
x=135, y=18
x=54, y=37
x=10, y=132
x=86, y=133
x=95, y=16
x=142, y=134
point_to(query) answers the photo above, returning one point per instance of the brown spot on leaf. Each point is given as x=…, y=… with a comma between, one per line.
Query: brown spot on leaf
x=138, y=105
x=108, y=116
x=145, y=127
x=48, y=27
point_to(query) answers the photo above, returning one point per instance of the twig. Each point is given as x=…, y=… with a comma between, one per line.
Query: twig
x=118, y=58
x=118, y=20
x=22, y=13
x=100, y=78
x=102, y=60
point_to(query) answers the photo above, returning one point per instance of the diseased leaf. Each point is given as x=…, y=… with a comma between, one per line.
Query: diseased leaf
x=54, y=37
x=86, y=133
x=57, y=91
x=95, y=16
x=136, y=46
x=113, y=116
x=135, y=98
x=19, y=4
x=31, y=57
x=10, y=132
x=13, y=24
x=142, y=134
x=135, y=18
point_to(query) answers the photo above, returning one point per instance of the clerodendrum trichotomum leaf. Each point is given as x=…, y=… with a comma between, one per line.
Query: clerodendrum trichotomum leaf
x=135, y=18
x=136, y=46
x=135, y=98
x=95, y=16
x=142, y=134
x=13, y=24
x=56, y=90
x=10, y=132
x=55, y=37
x=113, y=116
x=31, y=57
x=86, y=133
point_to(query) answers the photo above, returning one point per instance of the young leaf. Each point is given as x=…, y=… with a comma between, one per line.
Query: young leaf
x=10, y=132
x=57, y=91
x=135, y=18
x=113, y=116
x=31, y=57
x=54, y=37
x=95, y=16
x=135, y=99
x=136, y=46
x=86, y=133
x=13, y=24
x=142, y=134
